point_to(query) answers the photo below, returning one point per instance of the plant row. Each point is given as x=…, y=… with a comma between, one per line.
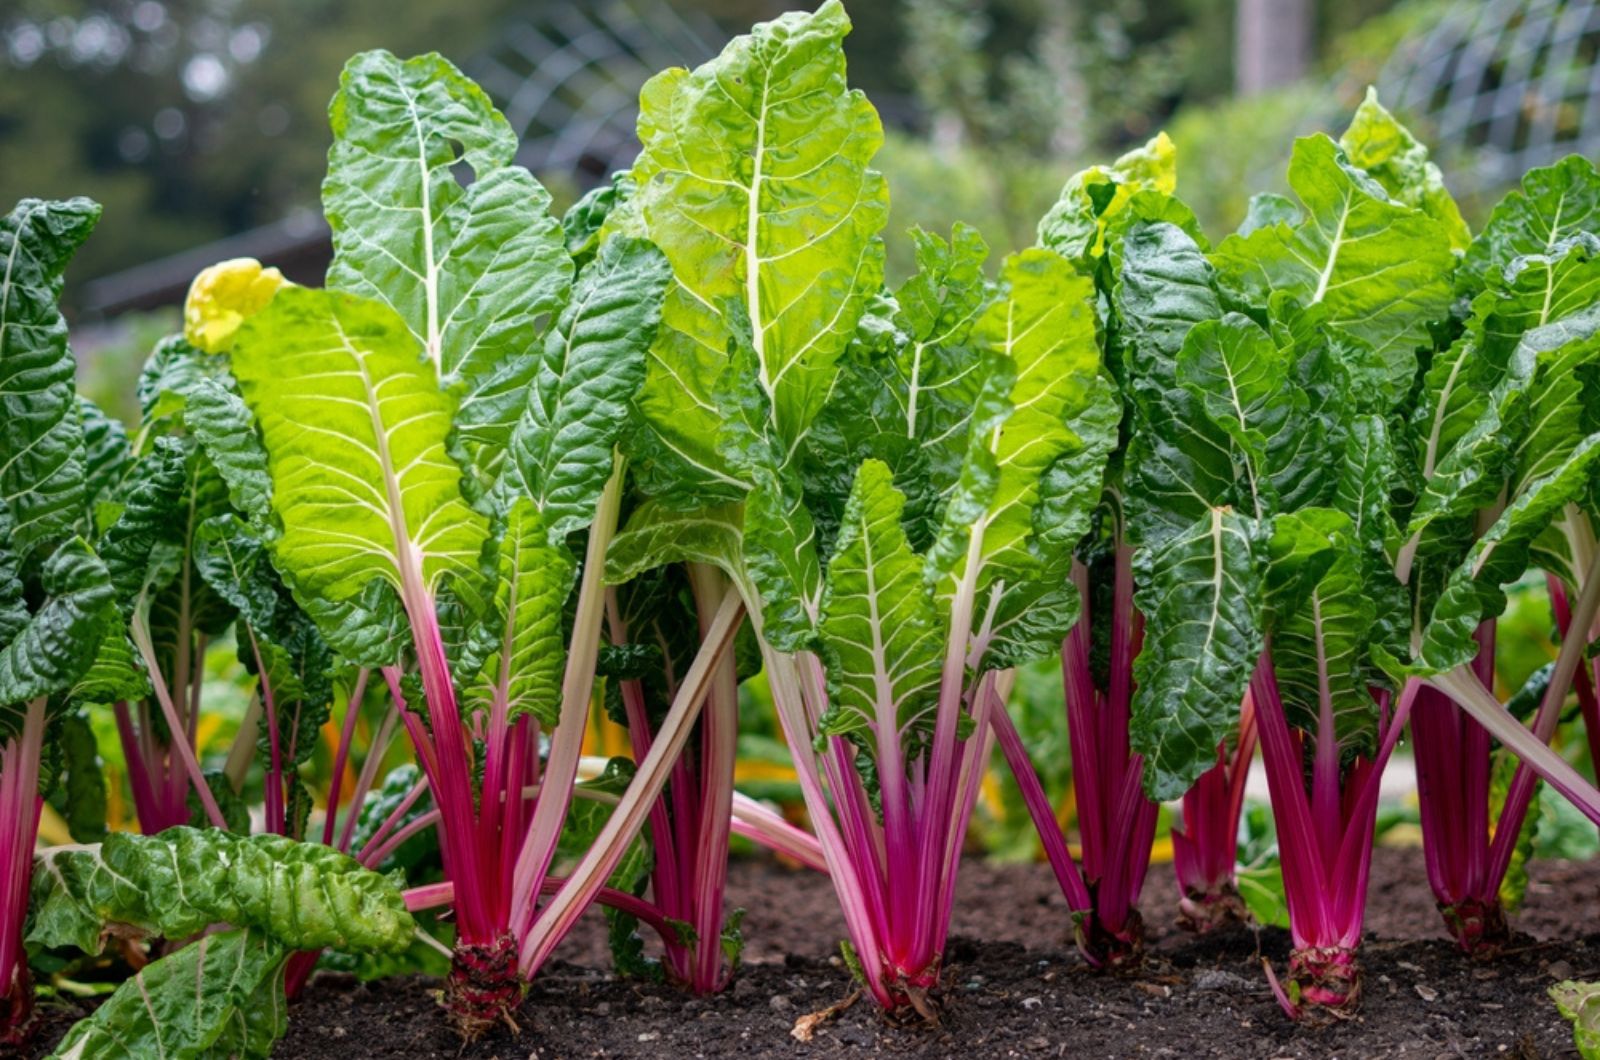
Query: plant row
x=1264, y=493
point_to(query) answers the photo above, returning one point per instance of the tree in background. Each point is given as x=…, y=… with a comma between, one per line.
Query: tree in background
x=191, y=119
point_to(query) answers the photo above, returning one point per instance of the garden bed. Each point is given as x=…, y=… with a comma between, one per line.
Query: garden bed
x=1014, y=987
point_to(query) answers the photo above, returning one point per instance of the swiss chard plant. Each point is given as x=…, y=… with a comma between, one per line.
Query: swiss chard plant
x=248, y=903
x=56, y=595
x=440, y=426
x=873, y=472
x=1499, y=437
x=1104, y=221
x=1304, y=339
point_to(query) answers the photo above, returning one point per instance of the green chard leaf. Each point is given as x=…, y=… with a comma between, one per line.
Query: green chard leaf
x=41, y=430
x=592, y=365
x=1040, y=339
x=471, y=272
x=906, y=387
x=1075, y=227
x=1381, y=267
x=879, y=630
x=1241, y=379
x=240, y=1013
x=1179, y=463
x=1320, y=631
x=1397, y=160
x=1554, y=204
x=753, y=177
x=355, y=427
x=50, y=648
x=523, y=672
x=106, y=455
x=1201, y=594
x=302, y=896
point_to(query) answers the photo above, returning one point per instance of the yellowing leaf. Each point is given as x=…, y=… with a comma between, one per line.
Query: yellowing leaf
x=222, y=297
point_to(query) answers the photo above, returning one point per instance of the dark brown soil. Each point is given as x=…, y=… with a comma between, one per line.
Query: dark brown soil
x=1013, y=986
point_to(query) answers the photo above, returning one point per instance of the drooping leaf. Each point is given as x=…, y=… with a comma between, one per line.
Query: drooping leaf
x=657, y=535
x=753, y=177
x=1474, y=590
x=1201, y=595
x=239, y=1011
x=300, y=895
x=41, y=433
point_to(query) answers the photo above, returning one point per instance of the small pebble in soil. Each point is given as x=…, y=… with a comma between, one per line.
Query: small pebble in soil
x=1031, y=1003
x=649, y=1036
x=1427, y=993
x=778, y=1003
x=1559, y=970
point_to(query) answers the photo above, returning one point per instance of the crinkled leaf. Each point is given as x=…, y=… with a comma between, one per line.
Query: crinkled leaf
x=523, y=672
x=1382, y=268
x=1075, y=225
x=41, y=433
x=470, y=271
x=1320, y=631
x=591, y=367
x=106, y=454
x=1201, y=595
x=139, y=549
x=656, y=535
x=1241, y=378
x=59, y=639
x=1474, y=592
x=1043, y=328
x=300, y=895
x=164, y=1010
x=754, y=178
x=1553, y=204
x=1179, y=464
x=880, y=631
